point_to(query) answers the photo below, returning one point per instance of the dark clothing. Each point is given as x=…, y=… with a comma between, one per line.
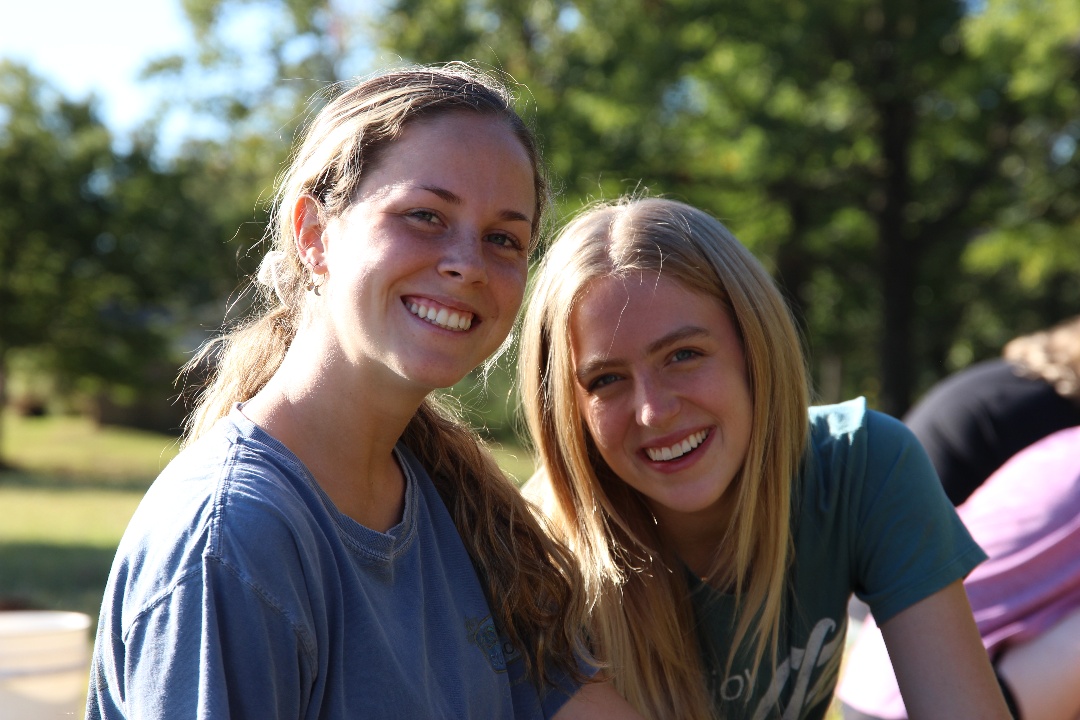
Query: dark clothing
x=870, y=518
x=973, y=421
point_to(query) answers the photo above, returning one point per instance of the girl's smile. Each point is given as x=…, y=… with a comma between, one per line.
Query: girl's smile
x=436, y=313
x=679, y=449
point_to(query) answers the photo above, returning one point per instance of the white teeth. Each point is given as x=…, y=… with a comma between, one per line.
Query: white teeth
x=449, y=319
x=678, y=449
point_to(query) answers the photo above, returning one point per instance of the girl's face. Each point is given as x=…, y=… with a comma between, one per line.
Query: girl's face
x=427, y=268
x=661, y=382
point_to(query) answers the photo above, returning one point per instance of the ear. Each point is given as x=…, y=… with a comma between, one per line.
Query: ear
x=308, y=229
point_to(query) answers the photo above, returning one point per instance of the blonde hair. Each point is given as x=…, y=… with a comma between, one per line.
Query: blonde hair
x=532, y=583
x=642, y=620
x=1051, y=355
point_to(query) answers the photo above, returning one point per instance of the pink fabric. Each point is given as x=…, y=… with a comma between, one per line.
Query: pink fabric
x=1026, y=517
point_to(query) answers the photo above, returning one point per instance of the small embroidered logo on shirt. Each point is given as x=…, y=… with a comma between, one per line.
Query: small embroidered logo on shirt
x=482, y=633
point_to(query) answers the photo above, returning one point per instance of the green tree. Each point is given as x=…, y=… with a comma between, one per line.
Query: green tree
x=164, y=258
x=908, y=171
x=106, y=258
x=258, y=66
x=860, y=146
x=54, y=155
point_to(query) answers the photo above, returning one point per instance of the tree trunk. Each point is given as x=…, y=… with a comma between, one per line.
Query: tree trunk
x=898, y=258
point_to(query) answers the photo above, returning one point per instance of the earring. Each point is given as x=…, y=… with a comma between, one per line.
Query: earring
x=315, y=281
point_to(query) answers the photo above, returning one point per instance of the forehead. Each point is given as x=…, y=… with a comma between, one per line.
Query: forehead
x=451, y=142
x=624, y=314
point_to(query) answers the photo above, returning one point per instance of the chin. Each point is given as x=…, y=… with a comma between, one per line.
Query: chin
x=432, y=381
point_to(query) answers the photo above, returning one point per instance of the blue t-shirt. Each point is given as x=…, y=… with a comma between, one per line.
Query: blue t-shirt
x=870, y=517
x=240, y=591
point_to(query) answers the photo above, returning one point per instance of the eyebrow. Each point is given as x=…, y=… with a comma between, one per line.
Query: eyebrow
x=676, y=336
x=454, y=199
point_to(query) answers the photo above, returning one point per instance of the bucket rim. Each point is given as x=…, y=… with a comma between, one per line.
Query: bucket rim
x=35, y=622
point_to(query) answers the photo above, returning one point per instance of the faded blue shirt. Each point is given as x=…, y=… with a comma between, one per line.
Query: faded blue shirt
x=240, y=591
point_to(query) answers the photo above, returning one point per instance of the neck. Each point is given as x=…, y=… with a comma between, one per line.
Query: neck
x=694, y=537
x=342, y=423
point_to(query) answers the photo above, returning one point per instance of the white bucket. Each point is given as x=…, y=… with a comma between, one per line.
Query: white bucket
x=44, y=664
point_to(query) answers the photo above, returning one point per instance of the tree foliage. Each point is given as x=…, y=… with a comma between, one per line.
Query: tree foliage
x=909, y=171
x=104, y=255
x=55, y=161
x=884, y=156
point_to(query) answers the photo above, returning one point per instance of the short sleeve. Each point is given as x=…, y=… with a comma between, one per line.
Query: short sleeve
x=910, y=541
x=190, y=654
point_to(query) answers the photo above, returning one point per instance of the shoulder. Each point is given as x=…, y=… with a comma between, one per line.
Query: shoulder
x=540, y=492
x=870, y=481
x=248, y=480
x=996, y=387
x=424, y=500
x=978, y=377
x=856, y=452
x=1010, y=509
x=851, y=428
x=228, y=501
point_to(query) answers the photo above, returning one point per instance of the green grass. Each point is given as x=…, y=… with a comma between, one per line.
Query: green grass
x=514, y=461
x=80, y=452
x=65, y=506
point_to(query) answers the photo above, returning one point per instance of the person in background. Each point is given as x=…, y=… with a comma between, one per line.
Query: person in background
x=1026, y=597
x=722, y=523
x=331, y=543
x=974, y=420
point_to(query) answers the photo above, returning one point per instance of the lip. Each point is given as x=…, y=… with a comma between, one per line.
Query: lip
x=682, y=461
x=443, y=306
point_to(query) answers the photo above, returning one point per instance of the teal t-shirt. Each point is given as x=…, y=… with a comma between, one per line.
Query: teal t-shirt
x=870, y=518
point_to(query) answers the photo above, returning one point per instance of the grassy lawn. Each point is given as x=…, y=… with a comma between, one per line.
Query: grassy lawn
x=67, y=504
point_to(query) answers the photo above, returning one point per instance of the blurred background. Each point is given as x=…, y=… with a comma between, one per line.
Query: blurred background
x=908, y=171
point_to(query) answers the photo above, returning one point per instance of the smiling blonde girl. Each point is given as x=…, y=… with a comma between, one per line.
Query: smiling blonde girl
x=722, y=522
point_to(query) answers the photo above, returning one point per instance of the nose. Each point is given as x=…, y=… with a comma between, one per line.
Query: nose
x=463, y=258
x=656, y=404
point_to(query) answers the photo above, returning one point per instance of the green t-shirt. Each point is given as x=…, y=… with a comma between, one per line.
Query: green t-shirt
x=870, y=517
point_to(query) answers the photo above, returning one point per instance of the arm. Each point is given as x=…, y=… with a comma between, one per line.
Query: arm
x=597, y=701
x=1044, y=672
x=197, y=655
x=940, y=663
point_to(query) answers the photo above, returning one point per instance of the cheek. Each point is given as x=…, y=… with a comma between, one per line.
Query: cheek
x=515, y=296
x=604, y=426
x=506, y=285
x=514, y=287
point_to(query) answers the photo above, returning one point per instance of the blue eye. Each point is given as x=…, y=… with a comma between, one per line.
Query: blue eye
x=684, y=354
x=503, y=240
x=602, y=381
x=425, y=215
